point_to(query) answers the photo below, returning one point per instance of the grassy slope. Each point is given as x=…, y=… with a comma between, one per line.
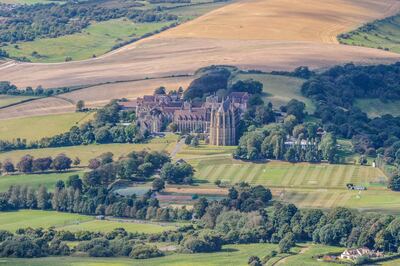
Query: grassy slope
x=28, y=2
x=87, y=152
x=375, y=107
x=97, y=39
x=8, y=99
x=69, y=221
x=34, y=180
x=35, y=128
x=238, y=254
x=385, y=34
x=279, y=90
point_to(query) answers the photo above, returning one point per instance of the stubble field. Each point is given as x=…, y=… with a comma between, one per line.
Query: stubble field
x=250, y=34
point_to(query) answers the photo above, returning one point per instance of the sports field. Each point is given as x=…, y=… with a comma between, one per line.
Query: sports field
x=73, y=222
x=34, y=180
x=279, y=90
x=35, y=128
x=87, y=152
x=283, y=174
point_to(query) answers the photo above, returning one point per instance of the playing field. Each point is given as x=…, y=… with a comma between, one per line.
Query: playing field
x=283, y=174
x=95, y=40
x=73, y=222
x=35, y=128
x=87, y=152
x=279, y=90
x=34, y=180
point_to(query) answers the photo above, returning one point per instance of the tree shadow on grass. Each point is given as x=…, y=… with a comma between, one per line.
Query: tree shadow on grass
x=229, y=250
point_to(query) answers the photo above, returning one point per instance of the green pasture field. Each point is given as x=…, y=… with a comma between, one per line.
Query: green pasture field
x=375, y=107
x=12, y=221
x=34, y=180
x=97, y=39
x=87, y=152
x=237, y=254
x=385, y=34
x=37, y=127
x=279, y=90
x=107, y=226
x=10, y=99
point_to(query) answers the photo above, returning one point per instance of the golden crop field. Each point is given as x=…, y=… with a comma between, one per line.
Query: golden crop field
x=252, y=34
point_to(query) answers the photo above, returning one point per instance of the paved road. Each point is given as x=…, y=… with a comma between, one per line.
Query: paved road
x=177, y=148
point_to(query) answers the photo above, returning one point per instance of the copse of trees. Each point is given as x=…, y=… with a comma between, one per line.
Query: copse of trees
x=28, y=164
x=334, y=93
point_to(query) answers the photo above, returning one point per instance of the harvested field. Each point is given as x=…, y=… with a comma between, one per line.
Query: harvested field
x=95, y=96
x=250, y=34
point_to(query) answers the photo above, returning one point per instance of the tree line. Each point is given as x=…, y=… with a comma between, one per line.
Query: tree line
x=106, y=127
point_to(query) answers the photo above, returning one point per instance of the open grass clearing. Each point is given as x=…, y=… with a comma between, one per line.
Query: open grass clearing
x=34, y=180
x=95, y=40
x=35, y=128
x=6, y=100
x=12, y=221
x=87, y=152
x=239, y=254
x=279, y=90
x=375, y=107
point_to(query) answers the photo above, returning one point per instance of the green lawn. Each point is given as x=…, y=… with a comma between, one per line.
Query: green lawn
x=28, y=218
x=37, y=127
x=87, y=152
x=286, y=175
x=73, y=222
x=107, y=226
x=97, y=39
x=230, y=255
x=383, y=34
x=9, y=99
x=375, y=107
x=279, y=90
x=34, y=180
x=305, y=257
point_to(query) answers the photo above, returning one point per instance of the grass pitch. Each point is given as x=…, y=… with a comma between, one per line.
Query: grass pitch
x=35, y=128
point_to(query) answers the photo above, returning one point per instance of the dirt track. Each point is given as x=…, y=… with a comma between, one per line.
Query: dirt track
x=251, y=34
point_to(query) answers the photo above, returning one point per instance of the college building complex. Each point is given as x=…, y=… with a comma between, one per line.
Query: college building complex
x=217, y=119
